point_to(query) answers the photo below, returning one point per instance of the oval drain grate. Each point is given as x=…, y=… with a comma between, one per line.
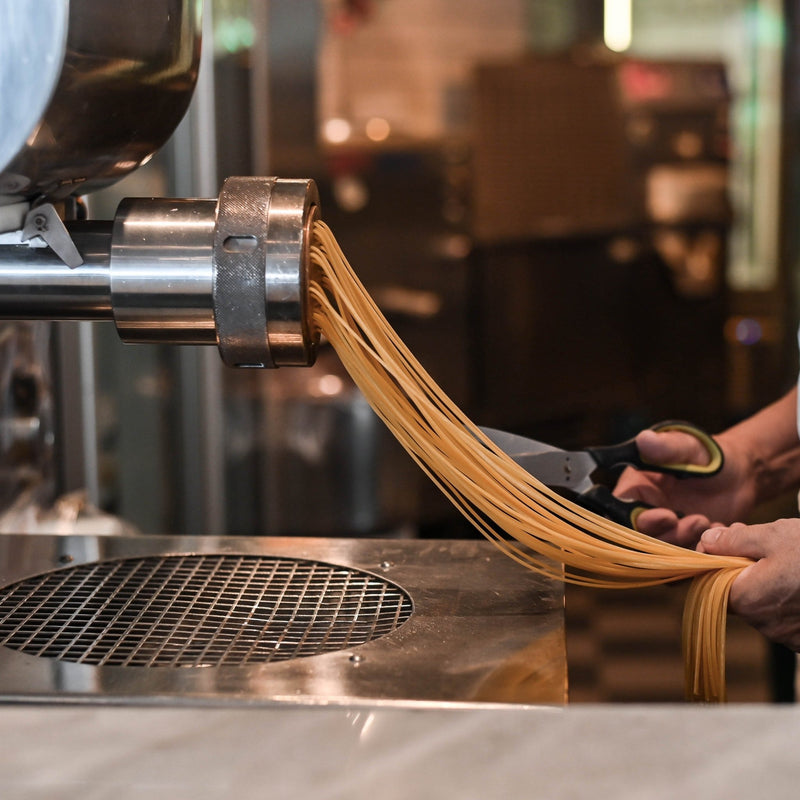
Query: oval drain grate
x=197, y=610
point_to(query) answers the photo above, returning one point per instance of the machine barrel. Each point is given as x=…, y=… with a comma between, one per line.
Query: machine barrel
x=231, y=272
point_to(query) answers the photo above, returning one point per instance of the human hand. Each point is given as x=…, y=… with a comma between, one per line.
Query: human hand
x=767, y=593
x=685, y=507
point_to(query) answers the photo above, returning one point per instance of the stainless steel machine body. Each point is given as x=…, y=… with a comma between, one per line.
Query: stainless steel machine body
x=88, y=92
x=89, y=89
x=262, y=620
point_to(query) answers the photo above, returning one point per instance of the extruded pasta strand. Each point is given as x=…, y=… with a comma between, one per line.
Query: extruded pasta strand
x=529, y=522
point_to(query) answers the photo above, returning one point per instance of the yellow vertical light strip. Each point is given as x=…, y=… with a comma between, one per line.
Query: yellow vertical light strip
x=767, y=82
x=617, y=24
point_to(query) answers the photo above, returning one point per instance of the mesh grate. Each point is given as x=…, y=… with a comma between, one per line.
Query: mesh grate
x=197, y=610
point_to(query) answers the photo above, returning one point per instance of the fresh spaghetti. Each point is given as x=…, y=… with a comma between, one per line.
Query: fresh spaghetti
x=529, y=522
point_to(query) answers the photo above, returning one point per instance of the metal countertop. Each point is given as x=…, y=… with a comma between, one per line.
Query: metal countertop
x=207, y=621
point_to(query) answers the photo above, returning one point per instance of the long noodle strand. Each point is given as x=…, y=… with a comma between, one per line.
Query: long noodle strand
x=532, y=524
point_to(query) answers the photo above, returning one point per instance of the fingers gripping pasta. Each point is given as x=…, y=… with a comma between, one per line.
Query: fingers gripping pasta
x=530, y=523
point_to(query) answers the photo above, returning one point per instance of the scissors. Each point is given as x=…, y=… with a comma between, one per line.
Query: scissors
x=588, y=476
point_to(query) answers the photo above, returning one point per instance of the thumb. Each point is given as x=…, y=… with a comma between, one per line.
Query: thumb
x=670, y=447
x=737, y=540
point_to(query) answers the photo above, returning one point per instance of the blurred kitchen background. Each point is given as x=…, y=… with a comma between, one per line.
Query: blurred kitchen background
x=581, y=217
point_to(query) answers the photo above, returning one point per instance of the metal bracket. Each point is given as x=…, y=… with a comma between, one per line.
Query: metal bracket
x=43, y=221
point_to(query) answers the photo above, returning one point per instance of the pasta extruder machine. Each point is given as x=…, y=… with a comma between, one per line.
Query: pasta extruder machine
x=88, y=92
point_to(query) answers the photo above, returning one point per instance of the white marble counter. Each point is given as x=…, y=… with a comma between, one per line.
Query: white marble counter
x=596, y=752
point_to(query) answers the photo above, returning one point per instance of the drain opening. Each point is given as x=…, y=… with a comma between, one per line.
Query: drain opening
x=197, y=610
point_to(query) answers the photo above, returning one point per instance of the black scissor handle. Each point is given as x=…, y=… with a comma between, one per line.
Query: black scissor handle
x=627, y=453
x=600, y=500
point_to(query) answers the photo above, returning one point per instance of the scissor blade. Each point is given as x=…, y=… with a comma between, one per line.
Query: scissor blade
x=559, y=469
x=517, y=446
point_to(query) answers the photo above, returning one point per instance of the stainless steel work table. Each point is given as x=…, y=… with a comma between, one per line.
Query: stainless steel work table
x=249, y=620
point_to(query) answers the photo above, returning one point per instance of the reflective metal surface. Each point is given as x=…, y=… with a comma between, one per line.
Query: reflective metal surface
x=261, y=260
x=162, y=271
x=483, y=630
x=36, y=284
x=232, y=272
x=89, y=89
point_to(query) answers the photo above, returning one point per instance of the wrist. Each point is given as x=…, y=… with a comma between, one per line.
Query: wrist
x=745, y=470
x=764, y=450
x=760, y=470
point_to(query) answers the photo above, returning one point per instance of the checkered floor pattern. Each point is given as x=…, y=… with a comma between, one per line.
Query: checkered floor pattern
x=625, y=647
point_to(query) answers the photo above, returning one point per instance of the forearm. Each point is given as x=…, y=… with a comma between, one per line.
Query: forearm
x=768, y=441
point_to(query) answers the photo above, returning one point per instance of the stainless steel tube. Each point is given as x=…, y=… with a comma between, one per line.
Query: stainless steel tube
x=36, y=284
x=231, y=272
x=162, y=271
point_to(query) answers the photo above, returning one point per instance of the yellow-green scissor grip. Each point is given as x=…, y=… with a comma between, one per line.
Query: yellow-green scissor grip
x=716, y=459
